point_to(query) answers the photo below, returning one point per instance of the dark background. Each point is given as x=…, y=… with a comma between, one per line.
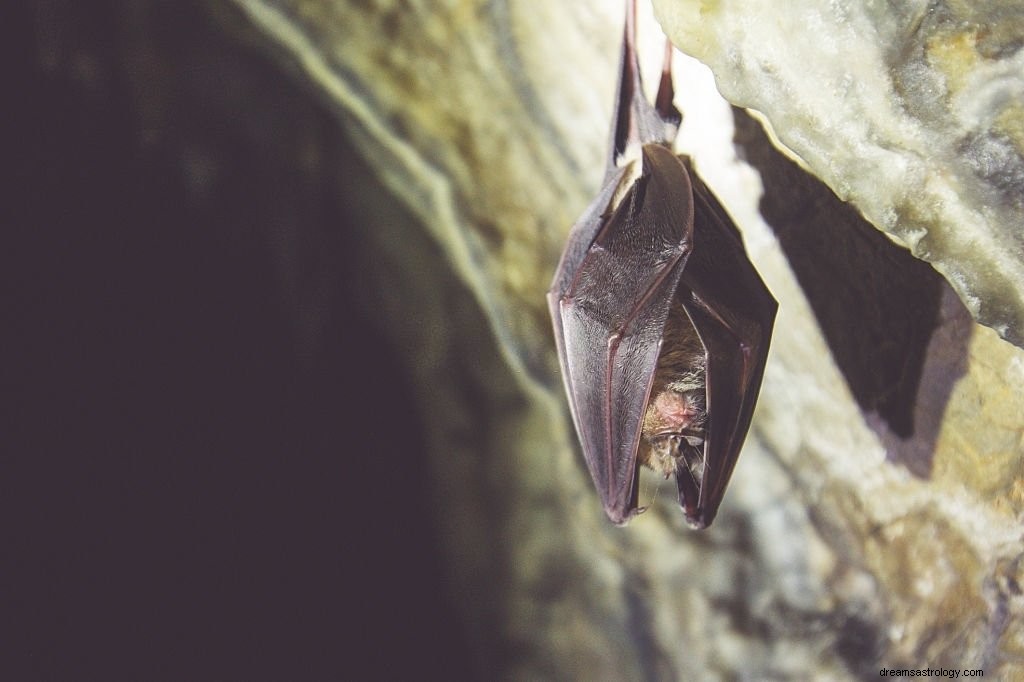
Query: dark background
x=202, y=474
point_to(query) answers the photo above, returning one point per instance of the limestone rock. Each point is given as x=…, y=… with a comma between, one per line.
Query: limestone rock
x=914, y=112
x=874, y=517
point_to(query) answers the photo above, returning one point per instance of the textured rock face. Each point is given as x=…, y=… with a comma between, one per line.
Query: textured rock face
x=914, y=112
x=873, y=518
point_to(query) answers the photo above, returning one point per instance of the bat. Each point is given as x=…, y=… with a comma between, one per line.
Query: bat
x=661, y=322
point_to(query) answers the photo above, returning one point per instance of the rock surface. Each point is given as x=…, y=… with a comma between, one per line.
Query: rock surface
x=914, y=112
x=874, y=516
x=856, y=535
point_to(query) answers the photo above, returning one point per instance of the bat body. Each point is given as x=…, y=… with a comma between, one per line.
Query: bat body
x=662, y=323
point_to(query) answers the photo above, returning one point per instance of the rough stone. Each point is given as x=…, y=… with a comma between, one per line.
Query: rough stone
x=913, y=112
x=861, y=530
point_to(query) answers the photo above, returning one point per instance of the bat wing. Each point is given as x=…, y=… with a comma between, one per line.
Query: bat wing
x=668, y=241
x=733, y=313
x=609, y=302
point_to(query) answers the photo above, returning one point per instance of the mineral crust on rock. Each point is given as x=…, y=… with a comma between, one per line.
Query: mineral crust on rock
x=913, y=111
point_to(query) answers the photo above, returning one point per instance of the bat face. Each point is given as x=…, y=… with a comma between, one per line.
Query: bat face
x=661, y=322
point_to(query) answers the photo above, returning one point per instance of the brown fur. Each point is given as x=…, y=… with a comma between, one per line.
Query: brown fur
x=674, y=421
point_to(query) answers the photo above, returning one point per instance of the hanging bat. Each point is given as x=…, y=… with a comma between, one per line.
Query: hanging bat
x=662, y=323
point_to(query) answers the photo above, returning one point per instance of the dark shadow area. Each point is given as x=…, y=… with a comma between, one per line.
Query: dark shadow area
x=944, y=363
x=201, y=477
x=877, y=305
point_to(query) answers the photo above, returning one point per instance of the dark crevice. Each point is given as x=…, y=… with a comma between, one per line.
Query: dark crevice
x=877, y=306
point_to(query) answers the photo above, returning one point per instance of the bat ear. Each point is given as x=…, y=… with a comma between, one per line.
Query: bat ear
x=636, y=122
